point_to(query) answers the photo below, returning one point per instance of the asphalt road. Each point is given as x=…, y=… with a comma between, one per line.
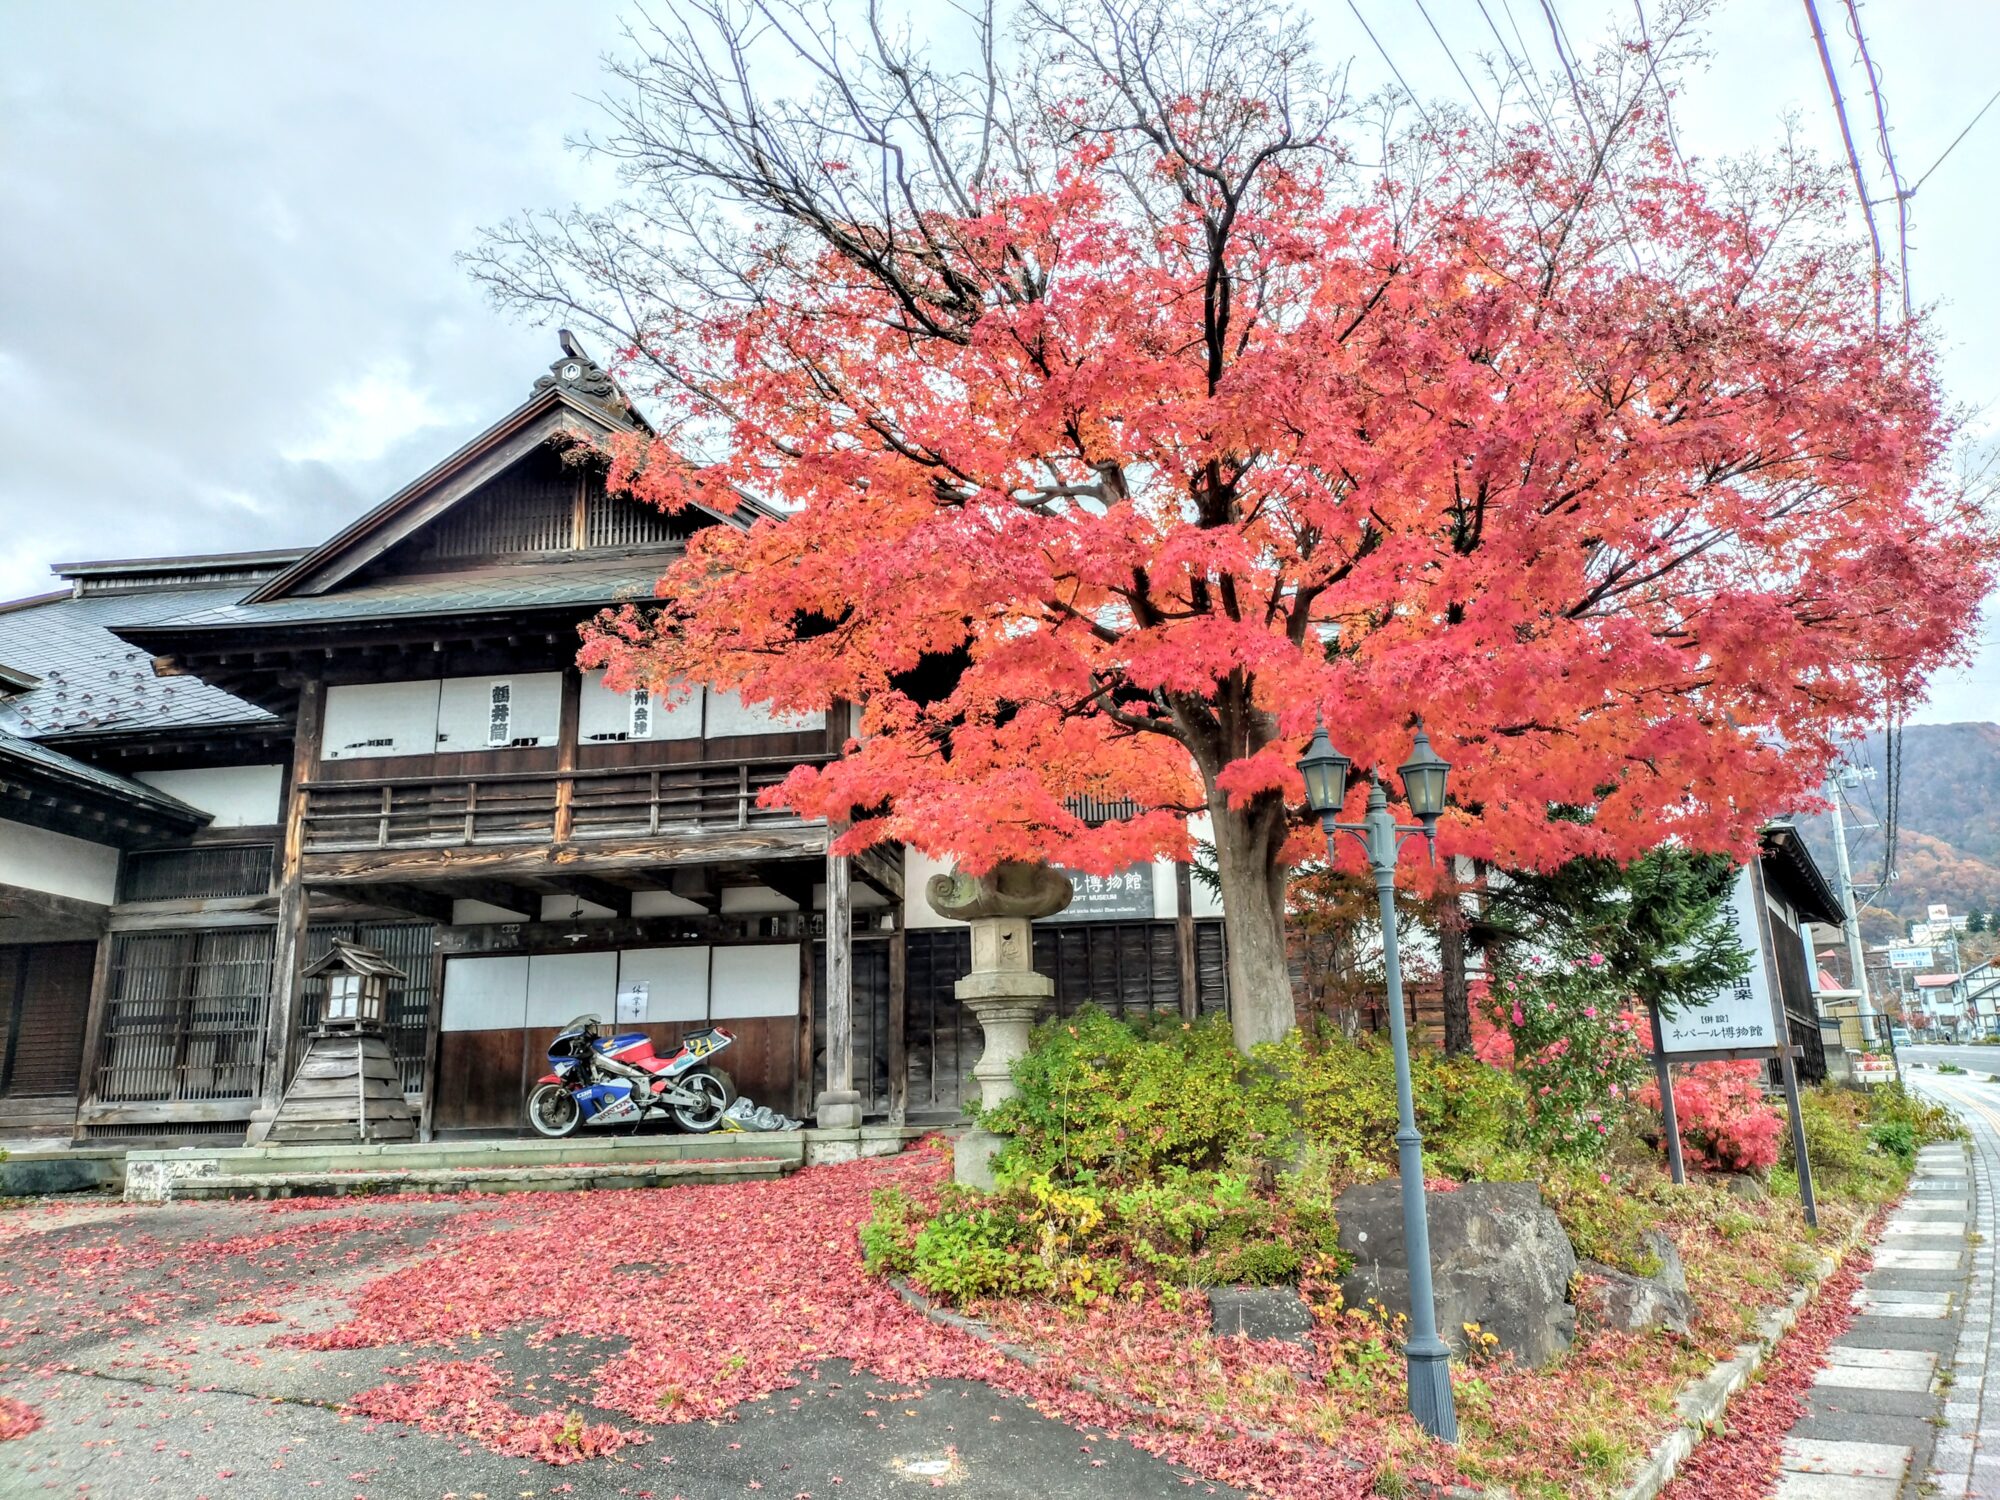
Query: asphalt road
x=154, y=1355
x=1979, y=1060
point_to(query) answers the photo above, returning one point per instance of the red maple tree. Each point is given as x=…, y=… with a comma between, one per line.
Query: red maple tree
x=1122, y=422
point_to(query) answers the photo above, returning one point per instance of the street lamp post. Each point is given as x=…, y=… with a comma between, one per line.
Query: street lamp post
x=1427, y=1357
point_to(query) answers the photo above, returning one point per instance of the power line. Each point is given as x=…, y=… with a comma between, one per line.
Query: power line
x=1954, y=144
x=1888, y=153
x=1653, y=72
x=1477, y=101
x=1853, y=157
x=1392, y=64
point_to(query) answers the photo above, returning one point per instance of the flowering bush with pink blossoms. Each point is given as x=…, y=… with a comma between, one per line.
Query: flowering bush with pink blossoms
x=1566, y=1028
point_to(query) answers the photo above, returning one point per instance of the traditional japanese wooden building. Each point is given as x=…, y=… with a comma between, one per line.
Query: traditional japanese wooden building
x=213, y=767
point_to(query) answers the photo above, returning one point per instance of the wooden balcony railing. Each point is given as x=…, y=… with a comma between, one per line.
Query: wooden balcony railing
x=419, y=812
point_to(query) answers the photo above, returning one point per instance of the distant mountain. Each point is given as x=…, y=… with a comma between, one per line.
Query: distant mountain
x=1949, y=846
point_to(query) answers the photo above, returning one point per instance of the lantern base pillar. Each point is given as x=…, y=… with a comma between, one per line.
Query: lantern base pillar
x=347, y=1088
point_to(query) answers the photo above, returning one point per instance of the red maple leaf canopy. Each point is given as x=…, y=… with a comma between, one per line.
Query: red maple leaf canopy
x=1107, y=473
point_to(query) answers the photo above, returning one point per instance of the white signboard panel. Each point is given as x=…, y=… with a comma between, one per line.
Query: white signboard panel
x=485, y=994
x=1911, y=958
x=1920, y=933
x=1938, y=915
x=1740, y=1015
x=563, y=986
x=675, y=981
x=755, y=980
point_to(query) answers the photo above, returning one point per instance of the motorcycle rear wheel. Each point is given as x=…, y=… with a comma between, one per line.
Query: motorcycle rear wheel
x=553, y=1111
x=715, y=1097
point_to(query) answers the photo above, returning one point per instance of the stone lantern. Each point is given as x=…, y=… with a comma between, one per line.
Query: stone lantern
x=348, y=1087
x=1002, y=991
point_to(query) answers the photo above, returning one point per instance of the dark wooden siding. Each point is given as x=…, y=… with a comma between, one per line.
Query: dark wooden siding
x=44, y=999
x=199, y=872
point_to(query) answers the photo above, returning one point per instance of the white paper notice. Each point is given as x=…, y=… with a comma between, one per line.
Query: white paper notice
x=632, y=1002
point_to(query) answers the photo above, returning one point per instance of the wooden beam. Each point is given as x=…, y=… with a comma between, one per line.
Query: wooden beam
x=500, y=861
x=93, y=1025
x=614, y=897
x=501, y=893
x=882, y=867
x=288, y=958
x=794, y=880
x=432, y=906
x=28, y=915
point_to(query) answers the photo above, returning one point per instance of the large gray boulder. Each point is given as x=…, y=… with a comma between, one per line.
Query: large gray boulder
x=1621, y=1300
x=1499, y=1258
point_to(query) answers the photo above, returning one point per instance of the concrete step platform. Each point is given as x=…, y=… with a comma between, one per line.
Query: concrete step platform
x=510, y=1165
x=570, y=1177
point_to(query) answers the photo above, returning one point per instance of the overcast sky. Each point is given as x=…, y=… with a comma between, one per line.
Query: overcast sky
x=229, y=315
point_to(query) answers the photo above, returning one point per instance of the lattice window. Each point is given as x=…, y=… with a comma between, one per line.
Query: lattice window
x=197, y=872
x=407, y=945
x=184, y=1015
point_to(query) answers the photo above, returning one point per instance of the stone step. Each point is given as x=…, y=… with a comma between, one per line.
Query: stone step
x=537, y=1179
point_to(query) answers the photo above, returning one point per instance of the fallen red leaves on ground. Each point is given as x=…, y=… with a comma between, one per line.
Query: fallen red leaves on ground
x=1740, y=1460
x=17, y=1418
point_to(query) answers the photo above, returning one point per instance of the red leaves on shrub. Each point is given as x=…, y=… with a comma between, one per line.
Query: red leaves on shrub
x=1726, y=1122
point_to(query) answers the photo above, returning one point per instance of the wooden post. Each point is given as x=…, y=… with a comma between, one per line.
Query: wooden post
x=1787, y=1073
x=839, y=1106
x=433, y=1041
x=288, y=956
x=566, y=732
x=1184, y=939
x=802, y=1085
x=1663, y=1071
x=93, y=1026
x=899, y=1056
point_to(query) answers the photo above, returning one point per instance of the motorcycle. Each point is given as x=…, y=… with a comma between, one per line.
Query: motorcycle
x=600, y=1080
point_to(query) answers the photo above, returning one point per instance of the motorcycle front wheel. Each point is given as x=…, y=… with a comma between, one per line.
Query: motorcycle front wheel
x=553, y=1111
x=714, y=1096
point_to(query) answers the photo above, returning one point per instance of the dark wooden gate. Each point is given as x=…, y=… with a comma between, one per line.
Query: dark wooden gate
x=44, y=1000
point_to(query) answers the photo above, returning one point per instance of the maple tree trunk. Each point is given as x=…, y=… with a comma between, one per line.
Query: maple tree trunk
x=1252, y=878
x=1451, y=962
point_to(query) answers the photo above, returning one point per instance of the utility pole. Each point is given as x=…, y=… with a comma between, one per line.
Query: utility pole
x=1856, y=960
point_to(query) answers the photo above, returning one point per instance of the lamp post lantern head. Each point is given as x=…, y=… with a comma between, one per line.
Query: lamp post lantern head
x=1325, y=771
x=1423, y=778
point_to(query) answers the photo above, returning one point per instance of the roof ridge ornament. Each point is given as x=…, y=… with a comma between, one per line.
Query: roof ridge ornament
x=579, y=374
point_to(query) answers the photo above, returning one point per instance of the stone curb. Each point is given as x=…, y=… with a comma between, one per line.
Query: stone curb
x=1704, y=1399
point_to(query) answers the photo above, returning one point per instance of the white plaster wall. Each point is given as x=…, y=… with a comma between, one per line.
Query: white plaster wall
x=465, y=705
x=605, y=715
x=747, y=900
x=729, y=714
x=562, y=907
x=756, y=980
x=477, y=913
x=238, y=796
x=58, y=864
x=368, y=719
x=664, y=904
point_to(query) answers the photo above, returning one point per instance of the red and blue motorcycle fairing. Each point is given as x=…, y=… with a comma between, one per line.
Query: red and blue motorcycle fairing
x=602, y=1081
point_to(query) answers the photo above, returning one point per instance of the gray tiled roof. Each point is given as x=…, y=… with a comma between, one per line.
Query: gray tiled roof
x=534, y=586
x=93, y=681
x=41, y=758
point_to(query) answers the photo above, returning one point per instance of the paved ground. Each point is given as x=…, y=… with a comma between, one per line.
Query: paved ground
x=190, y=1395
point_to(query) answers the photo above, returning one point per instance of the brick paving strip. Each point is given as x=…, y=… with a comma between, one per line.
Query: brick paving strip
x=1870, y=1425
x=1960, y=1466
